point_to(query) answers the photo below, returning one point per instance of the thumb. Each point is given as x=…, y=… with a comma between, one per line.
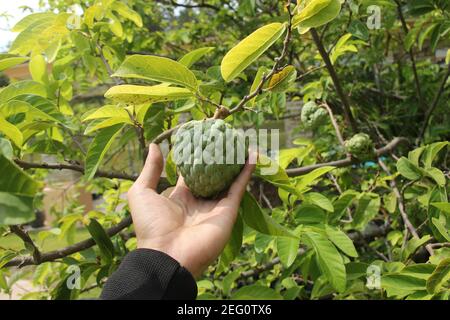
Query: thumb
x=152, y=170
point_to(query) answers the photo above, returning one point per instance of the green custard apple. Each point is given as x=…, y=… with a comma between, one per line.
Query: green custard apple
x=312, y=115
x=209, y=154
x=360, y=146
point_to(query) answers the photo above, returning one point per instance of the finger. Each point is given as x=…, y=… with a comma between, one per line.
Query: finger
x=181, y=189
x=153, y=167
x=238, y=187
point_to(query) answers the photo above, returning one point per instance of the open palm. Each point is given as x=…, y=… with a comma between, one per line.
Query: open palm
x=192, y=231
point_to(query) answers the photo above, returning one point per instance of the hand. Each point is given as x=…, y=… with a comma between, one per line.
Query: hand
x=190, y=230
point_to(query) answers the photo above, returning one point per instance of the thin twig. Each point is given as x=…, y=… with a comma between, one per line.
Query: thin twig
x=73, y=167
x=401, y=206
x=265, y=77
x=337, y=83
x=430, y=111
x=387, y=149
x=335, y=124
x=22, y=234
x=411, y=56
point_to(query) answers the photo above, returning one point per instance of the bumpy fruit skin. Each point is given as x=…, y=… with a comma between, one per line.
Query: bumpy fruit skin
x=360, y=146
x=207, y=179
x=312, y=115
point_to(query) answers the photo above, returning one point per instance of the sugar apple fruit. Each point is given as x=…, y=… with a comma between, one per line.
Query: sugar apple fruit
x=360, y=146
x=312, y=115
x=209, y=154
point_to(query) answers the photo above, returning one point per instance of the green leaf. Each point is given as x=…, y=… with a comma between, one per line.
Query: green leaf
x=367, y=209
x=131, y=94
x=413, y=245
x=171, y=169
x=250, y=49
x=17, y=191
x=441, y=228
x=287, y=249
x=6, y=148
x=281, y=81
x=342, y=241
x=20, y=88
x=439, y=277
x=16, y=209
x=9, y=62
x=98, y=148
x=318, y=200
x=444, y=206
x=192, y=57
x=228, y=281
x=102, y=240
x=359, y=30
x=256, y=292
x=308, y=214
x=308, y=179
x=437, y=175
x=11, y=131
x=256, y=81
x=431, y=151
x=401, y=285
x=269, y=170
x=233, y=246
x=157, y=69
x=317, y=19
x=257, y=219
x=128, y=13
x=342, y=203
x=447, y=58
x=408, y=169
x=328, y=259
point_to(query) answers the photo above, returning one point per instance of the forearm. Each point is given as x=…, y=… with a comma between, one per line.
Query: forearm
x=147, y=274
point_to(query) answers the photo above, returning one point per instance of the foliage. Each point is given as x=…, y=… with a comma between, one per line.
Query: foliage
x=114, y=75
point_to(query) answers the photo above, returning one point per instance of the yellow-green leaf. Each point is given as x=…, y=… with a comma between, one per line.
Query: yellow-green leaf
x=328, y=13
x=281, y=81
x=106, y=123
x=127, y=13
x=250, y=49
x=9, y=62
x=132, y=94
x=107, y=111
x=11, y=131
x=309, y=10
x=38, y=69
x=157, y=69
x=192, y=57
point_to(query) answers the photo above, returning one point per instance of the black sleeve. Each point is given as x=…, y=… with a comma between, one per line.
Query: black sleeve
x=146, y=274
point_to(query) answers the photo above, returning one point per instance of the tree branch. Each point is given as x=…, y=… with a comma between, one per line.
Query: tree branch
x=411, y=56
x=434, y=105
x=74, y=167
x=67, y=251
x=22, y=234
x=337, y=83
x=401, y=206
x=387, y=149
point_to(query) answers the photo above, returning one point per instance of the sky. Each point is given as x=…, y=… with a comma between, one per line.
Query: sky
x=11, y=7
